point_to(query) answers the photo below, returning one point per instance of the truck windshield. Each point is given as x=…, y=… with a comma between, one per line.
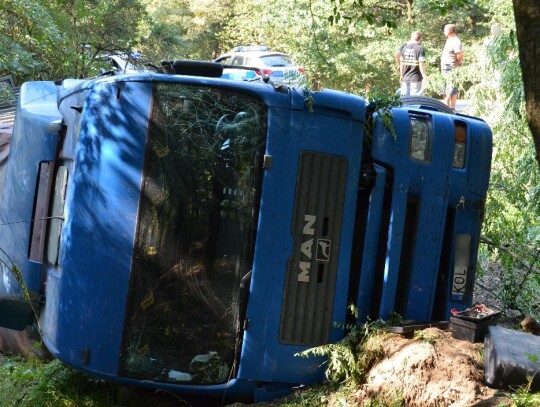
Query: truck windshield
x=195, y=239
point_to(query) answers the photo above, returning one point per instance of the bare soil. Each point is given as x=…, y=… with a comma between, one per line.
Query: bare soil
x=437, y=370
x=434, y=370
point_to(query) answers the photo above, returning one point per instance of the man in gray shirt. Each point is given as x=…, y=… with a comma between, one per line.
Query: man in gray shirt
x=452, y=57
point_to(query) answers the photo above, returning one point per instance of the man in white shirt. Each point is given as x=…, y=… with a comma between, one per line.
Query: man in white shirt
x=452, y=58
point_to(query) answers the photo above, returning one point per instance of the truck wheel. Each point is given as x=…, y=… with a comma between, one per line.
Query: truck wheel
x=426, y=101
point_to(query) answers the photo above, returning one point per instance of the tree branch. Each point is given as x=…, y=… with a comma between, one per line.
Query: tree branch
x=518, y=259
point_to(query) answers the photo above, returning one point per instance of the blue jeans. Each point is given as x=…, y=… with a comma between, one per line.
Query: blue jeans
x=411, y=88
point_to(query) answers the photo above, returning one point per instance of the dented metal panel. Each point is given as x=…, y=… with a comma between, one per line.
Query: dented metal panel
x=306, y=317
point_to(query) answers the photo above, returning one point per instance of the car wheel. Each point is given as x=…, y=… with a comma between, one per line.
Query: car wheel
x=427, y=102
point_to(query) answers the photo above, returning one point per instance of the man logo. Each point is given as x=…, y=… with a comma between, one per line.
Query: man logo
x=323, y=249
x=306, y=249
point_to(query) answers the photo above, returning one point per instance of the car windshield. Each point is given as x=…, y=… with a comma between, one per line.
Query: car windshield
x=196, y=234
x=276, y=61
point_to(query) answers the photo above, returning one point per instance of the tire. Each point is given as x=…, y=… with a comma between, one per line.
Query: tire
x=427, y=102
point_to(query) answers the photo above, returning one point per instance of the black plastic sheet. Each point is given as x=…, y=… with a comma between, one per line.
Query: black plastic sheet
x=511, y=358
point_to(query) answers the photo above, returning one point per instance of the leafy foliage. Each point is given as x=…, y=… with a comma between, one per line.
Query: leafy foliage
x=54, y=39
x=26, y=31
x=32, y=382
x=523, y=397
x=349, y=360
x=511, y=258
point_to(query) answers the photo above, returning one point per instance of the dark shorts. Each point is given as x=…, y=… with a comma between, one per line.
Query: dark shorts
x=450, y=76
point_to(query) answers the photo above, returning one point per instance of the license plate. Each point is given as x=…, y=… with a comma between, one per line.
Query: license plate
x=459, y=283
x=461, y=265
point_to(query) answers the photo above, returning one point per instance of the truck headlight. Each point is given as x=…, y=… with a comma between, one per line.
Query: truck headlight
x=421, y=139
x=460, y=144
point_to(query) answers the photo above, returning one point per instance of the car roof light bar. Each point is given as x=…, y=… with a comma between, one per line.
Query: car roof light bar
x=243, y=48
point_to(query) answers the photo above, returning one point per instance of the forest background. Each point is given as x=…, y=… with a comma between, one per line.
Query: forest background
x=347, y=45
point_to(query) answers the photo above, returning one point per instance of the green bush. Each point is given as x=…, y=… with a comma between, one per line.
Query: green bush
x=32, y=382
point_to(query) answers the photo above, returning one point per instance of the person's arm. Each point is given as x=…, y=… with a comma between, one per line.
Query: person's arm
x=459, y=58
x=397, y=57
x=422, y=66
x=458, y=50
x=423, y=69
x=422, y=62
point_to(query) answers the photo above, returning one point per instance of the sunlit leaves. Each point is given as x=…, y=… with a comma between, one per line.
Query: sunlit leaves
x=26, y=32
x=46, y=39
x=444, y=6
x=512, y=213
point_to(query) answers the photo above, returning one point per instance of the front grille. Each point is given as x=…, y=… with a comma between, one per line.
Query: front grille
x=307, y=311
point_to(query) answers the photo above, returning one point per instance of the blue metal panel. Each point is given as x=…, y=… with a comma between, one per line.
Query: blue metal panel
x=391, y=152
x=469, y=187
x=265, y=92
x=479, y=146
x=31, y=143
x=373, y=229
x=393, y=251
x=86, y=293
x=423, y=276
x=427, y=183
x=331, y=103
x=432, y=187
x=467, y=195
x=467, y=221
x=263, y=357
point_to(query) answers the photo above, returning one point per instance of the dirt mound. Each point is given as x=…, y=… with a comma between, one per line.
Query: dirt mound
x=432, y=370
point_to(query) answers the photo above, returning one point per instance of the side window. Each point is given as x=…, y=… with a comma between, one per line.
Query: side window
x=238, y=60
x=57, y=214
x=41, y=205
x=225, y=60
x=5, y=142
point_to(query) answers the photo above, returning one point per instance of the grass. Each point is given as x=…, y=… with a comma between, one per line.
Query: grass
x=37, y=383
x=523, y=397
x=32, y=382
x=425, y=336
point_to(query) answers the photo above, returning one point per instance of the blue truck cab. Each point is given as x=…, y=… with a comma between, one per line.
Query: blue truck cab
x=193, y=233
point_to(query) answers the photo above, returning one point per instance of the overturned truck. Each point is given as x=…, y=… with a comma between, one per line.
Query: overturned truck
x=193, y=233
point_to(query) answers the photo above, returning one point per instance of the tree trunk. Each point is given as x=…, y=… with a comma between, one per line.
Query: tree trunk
x=527, y=15
x=410, y=17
